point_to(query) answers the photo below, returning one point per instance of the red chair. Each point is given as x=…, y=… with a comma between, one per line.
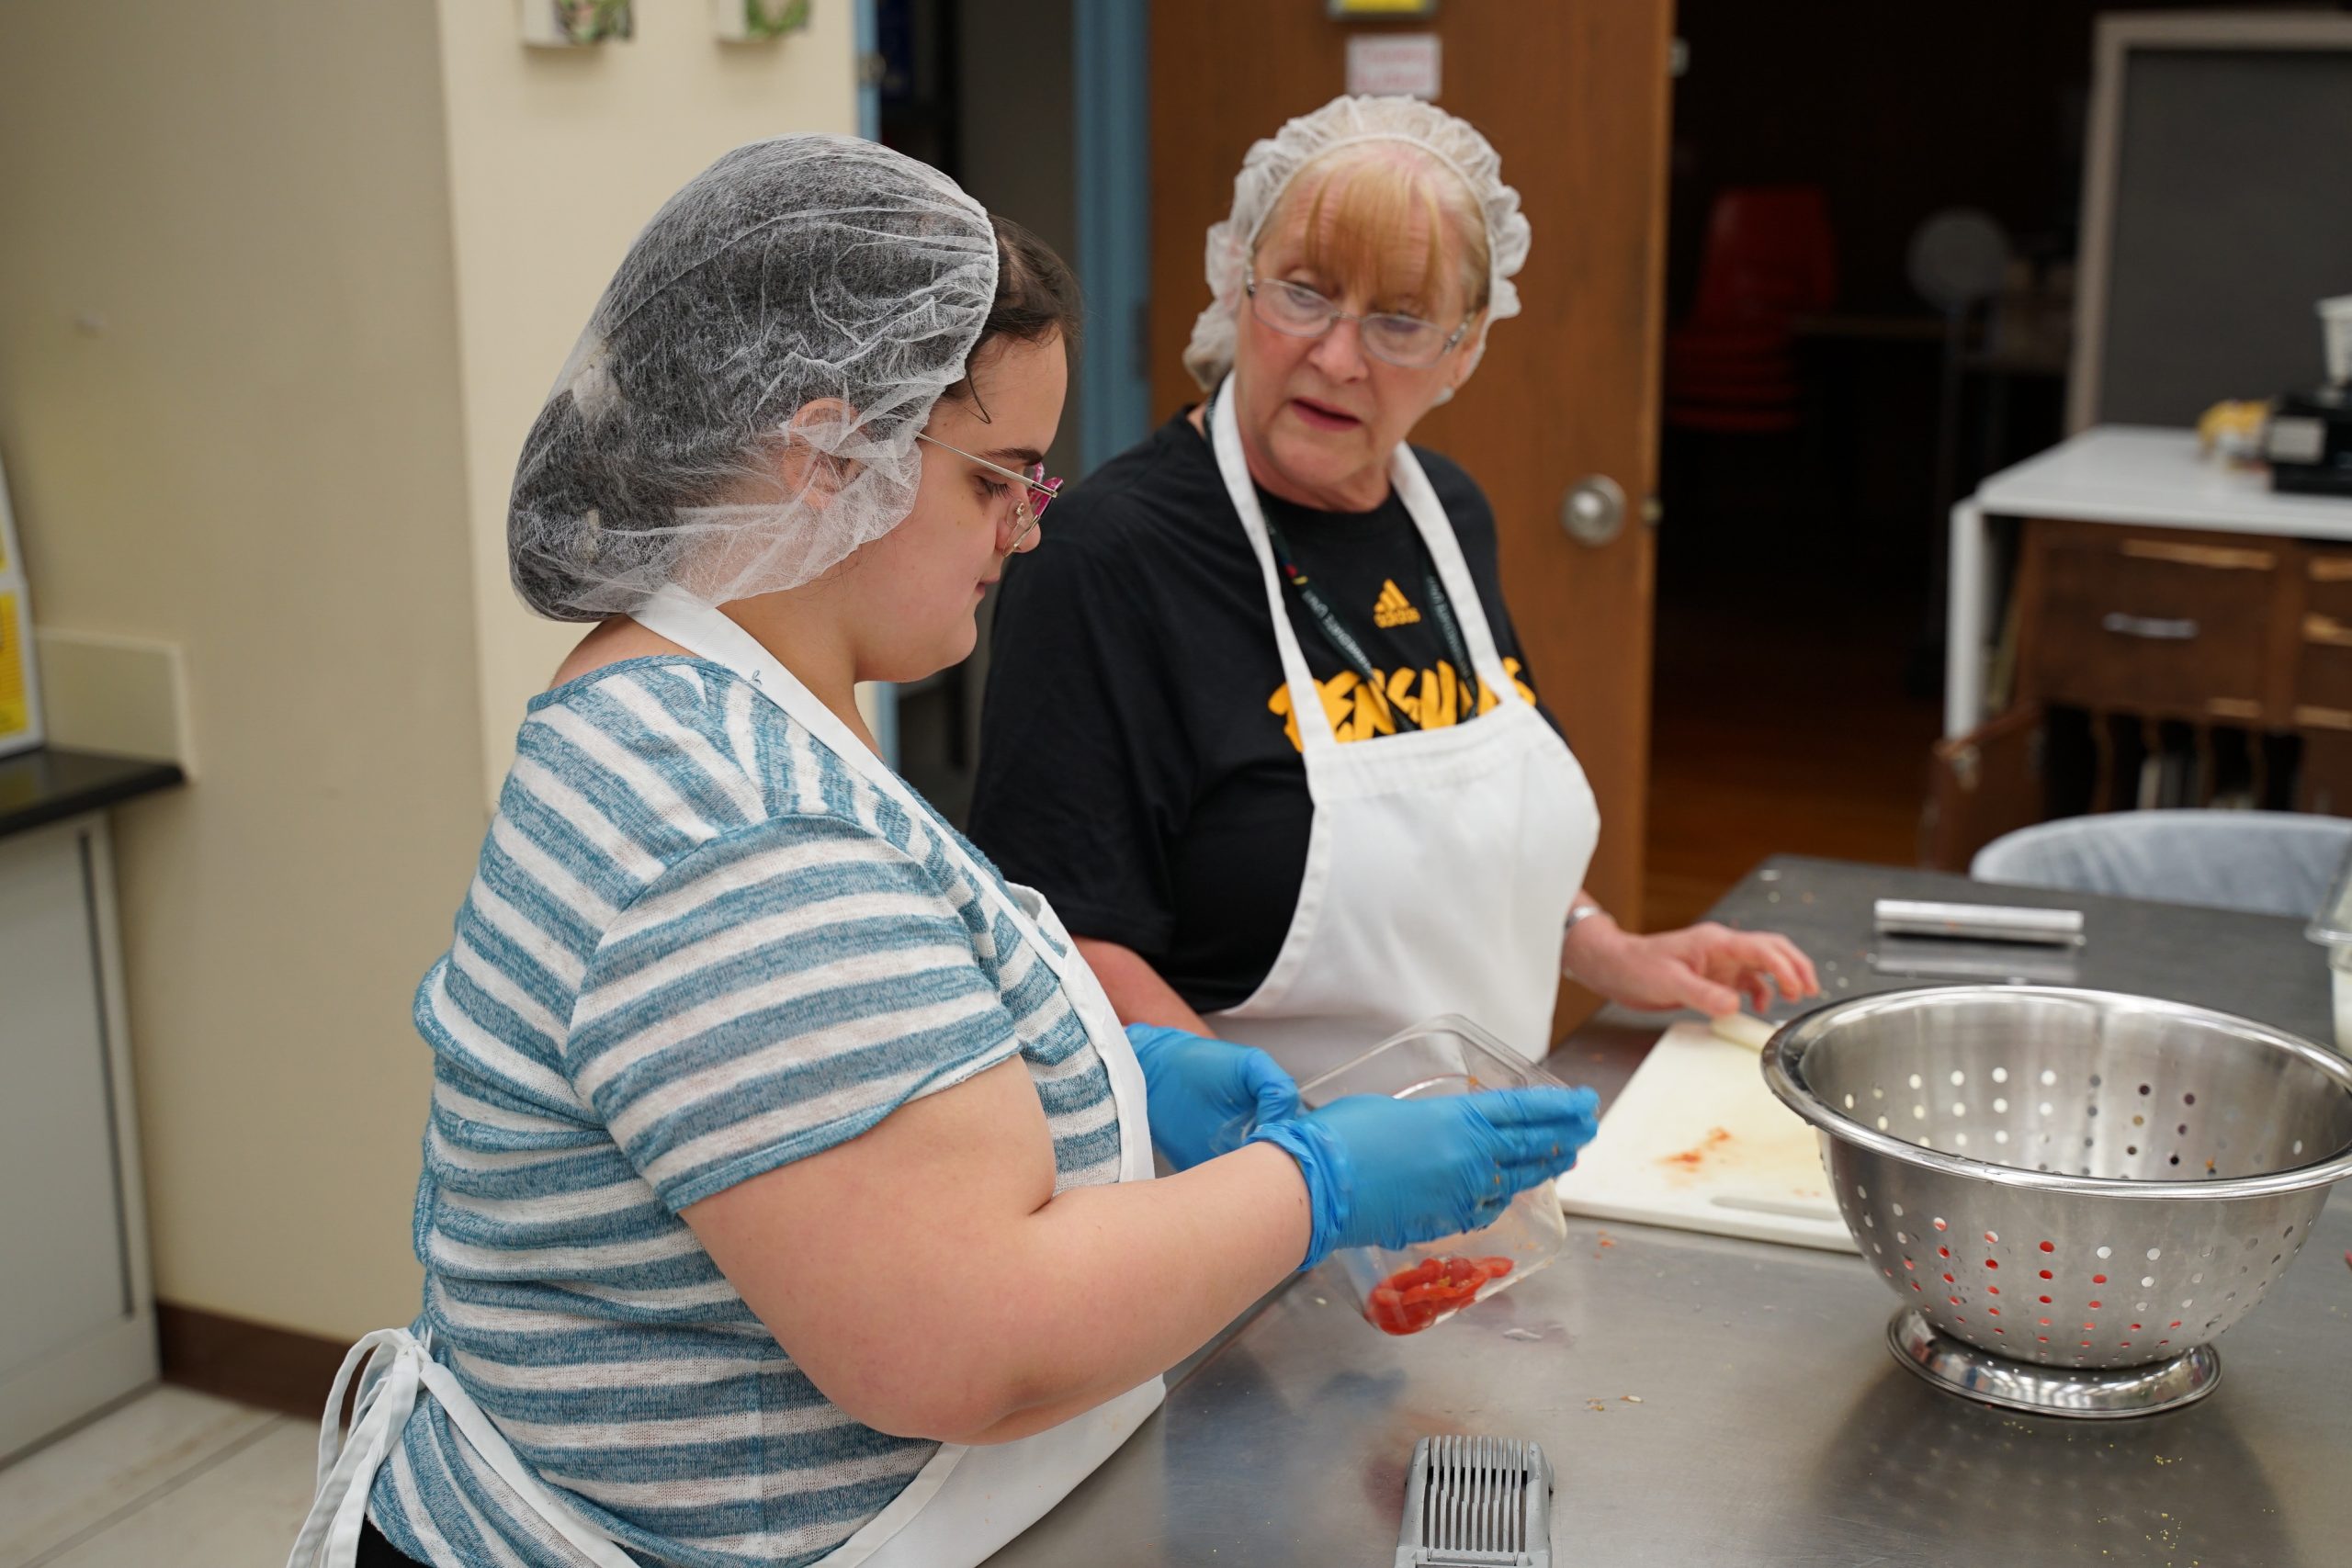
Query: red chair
x=1731, y=366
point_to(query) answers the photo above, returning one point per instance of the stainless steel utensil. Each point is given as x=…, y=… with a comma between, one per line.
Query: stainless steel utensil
x=1978, y=922
x=1477, y=1502
x=2089, y=1184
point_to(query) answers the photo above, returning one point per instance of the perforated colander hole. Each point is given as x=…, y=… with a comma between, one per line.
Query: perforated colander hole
x=2299, y=1145
x=1877, y=1093
x=1916, y=1080
x=1881, y=1124
x=2048, y=1078
x=2189, y=1100
x=2098, y=1278
x=2147, y=1281
x=2000, y=1104
x=1958, y=1079
x=1919, y=1113
x=1898, y=1209
x=2139, y=1121
x=2096, y=1080
x=2000, y=1134
x=2106, y=1252
x=2000, y=1074
x=2143, y=1089
x=2049, y=1247
x=2045, y=1110
x=1960, y=1140
x=2154, y=1253
x=1959, y=1108
x=2130, y=1148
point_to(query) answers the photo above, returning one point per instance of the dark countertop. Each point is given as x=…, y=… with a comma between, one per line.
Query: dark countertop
x=47, y=784
x=1773, y=1428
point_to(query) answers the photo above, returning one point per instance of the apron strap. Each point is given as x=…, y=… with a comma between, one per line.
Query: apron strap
x=348, y=1470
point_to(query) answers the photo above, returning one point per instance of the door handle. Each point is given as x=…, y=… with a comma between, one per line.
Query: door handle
x=2148, y=628
x=1593, y=511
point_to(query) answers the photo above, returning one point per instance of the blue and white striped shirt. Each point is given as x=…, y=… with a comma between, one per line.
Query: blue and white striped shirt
x=698, y=947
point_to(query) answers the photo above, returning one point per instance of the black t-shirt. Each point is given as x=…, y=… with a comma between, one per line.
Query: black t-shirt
x=1138, y=765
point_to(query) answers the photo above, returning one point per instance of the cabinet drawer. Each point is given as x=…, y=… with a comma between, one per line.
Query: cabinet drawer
x=2324, y=641
x=2169, y=624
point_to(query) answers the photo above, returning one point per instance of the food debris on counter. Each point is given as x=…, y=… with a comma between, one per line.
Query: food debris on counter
x=1690, y=1158
x=1631, y=1398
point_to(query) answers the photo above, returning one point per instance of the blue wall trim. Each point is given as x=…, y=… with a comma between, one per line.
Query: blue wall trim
x=1109, y=43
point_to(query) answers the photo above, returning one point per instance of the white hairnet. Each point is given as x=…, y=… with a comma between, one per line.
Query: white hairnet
x=806, y=270
x=1453, y=143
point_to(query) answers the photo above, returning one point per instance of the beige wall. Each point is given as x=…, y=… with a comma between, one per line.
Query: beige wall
x=282, y=282
x=557, y=159
x=248, y=447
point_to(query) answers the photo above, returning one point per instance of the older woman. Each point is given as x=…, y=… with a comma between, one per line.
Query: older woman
x=788, y=1191
x=1261, y=729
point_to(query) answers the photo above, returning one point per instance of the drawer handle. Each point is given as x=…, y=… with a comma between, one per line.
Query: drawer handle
x=2211, y=557
x=2326, y=630
x=2148, y=628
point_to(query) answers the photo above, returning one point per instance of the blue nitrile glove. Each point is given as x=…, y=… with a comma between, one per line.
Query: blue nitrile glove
x=1202, y=1096
x=1384, y=1172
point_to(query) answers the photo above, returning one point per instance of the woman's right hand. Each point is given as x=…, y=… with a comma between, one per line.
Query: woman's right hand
x=1385, y=1172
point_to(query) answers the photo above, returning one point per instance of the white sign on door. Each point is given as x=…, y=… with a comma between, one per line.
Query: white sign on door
x=1386, y=64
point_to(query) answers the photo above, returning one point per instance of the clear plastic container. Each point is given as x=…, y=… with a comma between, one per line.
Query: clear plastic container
x=2331, y=927
x=1408, y=1291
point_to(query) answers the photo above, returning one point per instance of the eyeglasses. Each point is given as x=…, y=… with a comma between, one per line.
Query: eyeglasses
x=1297, y=311
x=1036, y=495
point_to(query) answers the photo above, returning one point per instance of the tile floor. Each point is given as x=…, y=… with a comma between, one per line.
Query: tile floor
x=170, y=1476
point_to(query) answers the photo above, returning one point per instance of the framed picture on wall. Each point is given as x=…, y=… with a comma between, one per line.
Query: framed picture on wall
x=756, y=21
x=20, y=727
x=577, y=23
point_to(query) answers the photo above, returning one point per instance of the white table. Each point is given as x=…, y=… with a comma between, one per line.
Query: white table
x=2137, y=475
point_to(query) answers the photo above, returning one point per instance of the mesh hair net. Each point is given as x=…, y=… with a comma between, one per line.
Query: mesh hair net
x=1453, y=143
x=818, y=291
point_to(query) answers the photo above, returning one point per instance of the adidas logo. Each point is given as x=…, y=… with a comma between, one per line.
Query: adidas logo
x=1393, y=608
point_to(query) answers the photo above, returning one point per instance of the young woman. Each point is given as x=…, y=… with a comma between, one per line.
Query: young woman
x=788, y=1192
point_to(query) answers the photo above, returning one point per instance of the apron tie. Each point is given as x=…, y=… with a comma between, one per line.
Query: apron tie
x=347, y=1466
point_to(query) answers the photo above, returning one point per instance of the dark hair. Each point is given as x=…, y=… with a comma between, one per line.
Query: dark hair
x=588, y=484
x=1037, y=297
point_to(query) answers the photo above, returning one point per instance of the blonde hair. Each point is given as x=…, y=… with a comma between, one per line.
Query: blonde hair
x=1359, y=198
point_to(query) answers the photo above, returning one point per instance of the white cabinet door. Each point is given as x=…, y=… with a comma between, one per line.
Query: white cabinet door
x=73, y=1315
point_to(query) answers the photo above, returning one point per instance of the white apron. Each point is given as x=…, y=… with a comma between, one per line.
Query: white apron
x=963, y=1505
x=1442, y=863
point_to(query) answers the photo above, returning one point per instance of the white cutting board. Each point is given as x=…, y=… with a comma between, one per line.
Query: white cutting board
x=1697, y=1142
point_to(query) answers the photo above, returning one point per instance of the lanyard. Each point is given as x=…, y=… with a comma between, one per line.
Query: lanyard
x=1344, y=642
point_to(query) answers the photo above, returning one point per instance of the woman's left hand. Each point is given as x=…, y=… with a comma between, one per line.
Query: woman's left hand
x=1204, y=1096
x=1708, y=966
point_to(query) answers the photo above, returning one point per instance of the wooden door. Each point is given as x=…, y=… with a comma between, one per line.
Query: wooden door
x=1573, y=94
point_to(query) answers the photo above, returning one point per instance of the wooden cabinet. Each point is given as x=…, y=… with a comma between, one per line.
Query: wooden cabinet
x=2158, y=622
x=2149, y=630
x=2323, y=652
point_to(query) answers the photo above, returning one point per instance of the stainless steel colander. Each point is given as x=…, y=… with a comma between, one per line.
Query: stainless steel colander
x=2071, y=1190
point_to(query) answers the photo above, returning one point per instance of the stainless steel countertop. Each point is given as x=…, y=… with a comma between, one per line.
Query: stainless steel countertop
x=1772, y=1426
